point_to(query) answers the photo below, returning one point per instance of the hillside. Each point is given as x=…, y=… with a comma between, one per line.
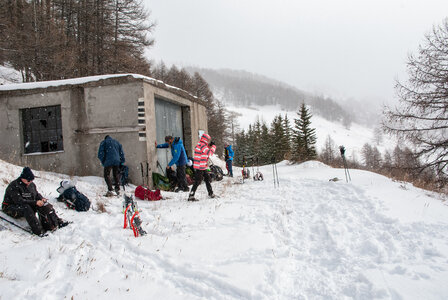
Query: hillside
x=244, y=89
x=311, y=238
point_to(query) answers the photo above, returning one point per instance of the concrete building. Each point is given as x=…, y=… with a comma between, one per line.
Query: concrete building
x=58, y=125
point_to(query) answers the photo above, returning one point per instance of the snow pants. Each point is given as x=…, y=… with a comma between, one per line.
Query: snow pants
x=198, y=176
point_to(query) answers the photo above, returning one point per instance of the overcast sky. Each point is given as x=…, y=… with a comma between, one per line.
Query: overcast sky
x=341, y=48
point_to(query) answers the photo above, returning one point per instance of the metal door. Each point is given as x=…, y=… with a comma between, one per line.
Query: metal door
x=168, y=122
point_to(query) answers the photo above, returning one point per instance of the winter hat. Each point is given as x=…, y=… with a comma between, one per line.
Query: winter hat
x=27, y=174
x=205, y=138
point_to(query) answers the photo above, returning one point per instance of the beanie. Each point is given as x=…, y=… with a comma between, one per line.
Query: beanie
x=27, y=174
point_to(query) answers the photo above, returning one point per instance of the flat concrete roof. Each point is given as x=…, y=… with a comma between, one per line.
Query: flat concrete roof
x=27, y=88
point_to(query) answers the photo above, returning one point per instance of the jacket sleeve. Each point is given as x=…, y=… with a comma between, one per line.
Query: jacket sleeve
x=176, y=155
x=209, y=151
x=231, y=153
x=122, y=160
x=38, y=195
x=166, y=145
x=101, y=153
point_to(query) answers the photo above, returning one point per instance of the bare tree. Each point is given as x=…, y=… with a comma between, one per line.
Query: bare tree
x=329, y=151
x=422, y=114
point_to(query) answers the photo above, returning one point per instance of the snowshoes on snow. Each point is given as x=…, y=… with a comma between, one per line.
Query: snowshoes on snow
x=132, y=216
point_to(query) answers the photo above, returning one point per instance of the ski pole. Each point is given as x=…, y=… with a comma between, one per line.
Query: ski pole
x=143, y=175
x=276, y=175
x=346, y=167
x=347, y=174
x=147, y=173
x=23, y=228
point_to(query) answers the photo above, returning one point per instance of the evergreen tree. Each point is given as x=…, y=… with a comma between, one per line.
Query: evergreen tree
x=277, y=139
x=287, y=137
x=304, y=137
x=266, y=145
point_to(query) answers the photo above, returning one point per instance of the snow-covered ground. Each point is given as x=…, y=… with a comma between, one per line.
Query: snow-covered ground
x=310, y=238
x=353, y=138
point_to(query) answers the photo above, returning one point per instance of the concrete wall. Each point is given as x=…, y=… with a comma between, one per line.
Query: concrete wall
x=11, y=147
x=111, y=110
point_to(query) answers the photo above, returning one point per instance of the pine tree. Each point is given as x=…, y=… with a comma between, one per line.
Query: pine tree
x=287, y=137
x=266, y=145
x=304, y=137
x=277, y=139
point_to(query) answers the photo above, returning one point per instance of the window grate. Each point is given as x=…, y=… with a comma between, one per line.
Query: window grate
x=42, y=129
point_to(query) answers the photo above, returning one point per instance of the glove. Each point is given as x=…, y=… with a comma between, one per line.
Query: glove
x=211, y=143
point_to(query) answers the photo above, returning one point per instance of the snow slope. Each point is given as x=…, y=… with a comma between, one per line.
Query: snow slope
x=311, y=238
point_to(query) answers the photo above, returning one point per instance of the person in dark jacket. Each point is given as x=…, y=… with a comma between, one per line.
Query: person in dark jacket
x=22, y=200
x=229, y=159
x=179, y=158
x=111, y=155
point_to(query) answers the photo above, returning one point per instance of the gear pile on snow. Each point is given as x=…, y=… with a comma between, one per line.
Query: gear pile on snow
x=132, y=216
x=72, y=197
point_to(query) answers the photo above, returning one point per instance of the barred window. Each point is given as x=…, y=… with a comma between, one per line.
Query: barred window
x=42, y=129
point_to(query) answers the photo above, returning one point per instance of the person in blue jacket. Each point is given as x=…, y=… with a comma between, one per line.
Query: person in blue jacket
x=111, y=155
x=179, y=159
x=229, y=159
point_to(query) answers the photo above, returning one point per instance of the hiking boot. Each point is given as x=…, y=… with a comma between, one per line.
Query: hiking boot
x=117, y=191
x=191, y=198
x=109, y=194
x=187, y=189
x=177, y=190
x=62, y=223
x=211, y=195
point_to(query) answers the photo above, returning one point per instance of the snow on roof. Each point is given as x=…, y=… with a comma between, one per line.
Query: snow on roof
x=83, y=80
x=87, y=79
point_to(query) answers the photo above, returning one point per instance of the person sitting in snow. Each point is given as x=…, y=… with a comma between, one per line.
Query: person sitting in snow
x=179, y=158
x=22, y=200
x=202, y=152
x=229, y=159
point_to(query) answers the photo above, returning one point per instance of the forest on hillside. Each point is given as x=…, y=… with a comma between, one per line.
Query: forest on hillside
x=243, y=88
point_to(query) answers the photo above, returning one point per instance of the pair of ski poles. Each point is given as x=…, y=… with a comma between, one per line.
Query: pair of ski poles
x=347, y=173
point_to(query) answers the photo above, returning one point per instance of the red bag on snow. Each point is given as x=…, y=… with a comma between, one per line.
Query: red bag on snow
x=146, y=194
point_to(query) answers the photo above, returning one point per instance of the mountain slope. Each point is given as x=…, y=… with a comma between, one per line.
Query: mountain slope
x=309, y=238
x=244, y=89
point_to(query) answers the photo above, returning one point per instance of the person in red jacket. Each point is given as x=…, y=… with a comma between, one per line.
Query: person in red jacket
x=204, y=149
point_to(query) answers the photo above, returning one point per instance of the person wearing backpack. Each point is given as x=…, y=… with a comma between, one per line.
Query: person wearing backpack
x=111, y=155
x=179, y=158
x=229, y=159
x=204, y=149
x=23, y=200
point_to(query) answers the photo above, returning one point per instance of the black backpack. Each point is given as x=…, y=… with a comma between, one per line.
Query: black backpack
x=124, y=175
x=72, y=197
x=216, y=173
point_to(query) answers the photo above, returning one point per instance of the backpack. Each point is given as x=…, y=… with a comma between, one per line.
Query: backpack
x=215, y=172
x=160, y=182
x=48, y=217
x=123, y=173
x=172, y=177
x=72, y=197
